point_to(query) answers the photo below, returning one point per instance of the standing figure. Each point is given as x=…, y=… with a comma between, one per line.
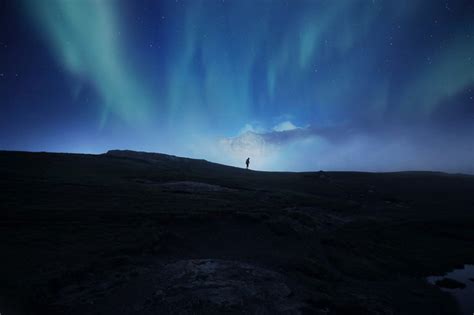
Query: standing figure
x=247, y=162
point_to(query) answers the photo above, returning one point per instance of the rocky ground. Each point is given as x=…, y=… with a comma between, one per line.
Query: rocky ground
x=137, y=233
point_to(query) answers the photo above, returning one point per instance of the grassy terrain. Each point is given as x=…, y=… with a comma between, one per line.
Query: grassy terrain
x=128, y=232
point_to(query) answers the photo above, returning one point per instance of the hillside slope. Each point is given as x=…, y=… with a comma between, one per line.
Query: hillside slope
x=131, y=232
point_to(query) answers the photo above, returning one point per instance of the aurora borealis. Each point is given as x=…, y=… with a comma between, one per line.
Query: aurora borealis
x=350, y=84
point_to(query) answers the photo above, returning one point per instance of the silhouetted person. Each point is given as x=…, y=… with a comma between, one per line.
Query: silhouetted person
x=247, y=162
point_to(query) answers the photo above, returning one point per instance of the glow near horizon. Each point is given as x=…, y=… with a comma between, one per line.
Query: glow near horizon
x=224, y=65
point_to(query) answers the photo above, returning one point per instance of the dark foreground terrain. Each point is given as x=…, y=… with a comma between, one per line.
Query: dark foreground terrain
x=137, y=233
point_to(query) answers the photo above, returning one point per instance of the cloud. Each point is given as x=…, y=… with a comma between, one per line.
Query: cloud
x=342, y=148
x=265, y=146
x=256, y=128
x=284, y=126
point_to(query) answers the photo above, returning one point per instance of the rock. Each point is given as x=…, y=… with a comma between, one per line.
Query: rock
x=214, y=285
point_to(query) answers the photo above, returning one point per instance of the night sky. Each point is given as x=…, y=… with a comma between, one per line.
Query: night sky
x=373, y=85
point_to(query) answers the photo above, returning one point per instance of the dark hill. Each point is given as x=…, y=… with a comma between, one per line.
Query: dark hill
x=144, y=233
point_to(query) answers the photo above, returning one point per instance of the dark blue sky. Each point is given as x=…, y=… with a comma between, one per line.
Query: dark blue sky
x=298, y=85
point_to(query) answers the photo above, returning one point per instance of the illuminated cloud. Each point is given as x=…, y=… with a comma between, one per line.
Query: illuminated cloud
x=284, y=126
x=265, y=146
x=255, y=128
